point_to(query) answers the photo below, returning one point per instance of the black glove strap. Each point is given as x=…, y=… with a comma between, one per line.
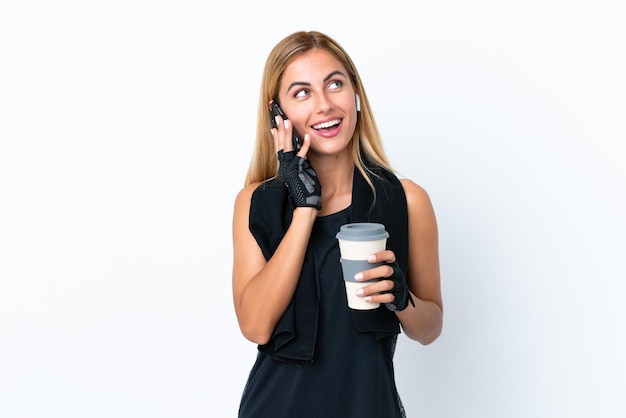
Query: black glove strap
x=301, y=180
x=400, y=290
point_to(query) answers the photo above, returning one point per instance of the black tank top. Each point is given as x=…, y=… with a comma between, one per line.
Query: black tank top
x=351, y=374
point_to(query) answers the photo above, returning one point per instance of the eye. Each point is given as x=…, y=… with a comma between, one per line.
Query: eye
x=301, y=93
x=335, y=84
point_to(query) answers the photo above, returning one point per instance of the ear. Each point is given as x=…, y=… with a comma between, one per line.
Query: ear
x=358, y=103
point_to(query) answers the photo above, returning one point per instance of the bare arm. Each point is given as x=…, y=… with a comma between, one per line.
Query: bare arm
x=262, y=290
x=422, y=322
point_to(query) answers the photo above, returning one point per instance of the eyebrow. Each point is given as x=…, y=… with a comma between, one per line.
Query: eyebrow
x=305, y=84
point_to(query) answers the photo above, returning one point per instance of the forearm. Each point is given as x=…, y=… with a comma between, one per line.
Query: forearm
x=267, y=294
x=422, y=322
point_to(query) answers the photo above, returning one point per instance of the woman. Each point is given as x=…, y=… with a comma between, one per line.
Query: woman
x=317, y=357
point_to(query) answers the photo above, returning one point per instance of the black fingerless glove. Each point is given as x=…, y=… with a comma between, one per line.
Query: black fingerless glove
x=400, y=291
x=301, y=180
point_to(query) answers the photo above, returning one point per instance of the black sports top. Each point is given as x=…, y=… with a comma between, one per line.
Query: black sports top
x=351, y=373
x=293, y=339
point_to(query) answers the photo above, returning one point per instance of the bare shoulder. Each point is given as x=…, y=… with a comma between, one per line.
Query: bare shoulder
x=417, y=197
x=242, y=203
x=245, y=195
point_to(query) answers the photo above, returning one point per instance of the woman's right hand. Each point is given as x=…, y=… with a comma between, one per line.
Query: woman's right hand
x=295, y=170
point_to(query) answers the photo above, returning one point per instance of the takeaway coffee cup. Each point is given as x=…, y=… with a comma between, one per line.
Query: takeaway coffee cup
x=356, y=242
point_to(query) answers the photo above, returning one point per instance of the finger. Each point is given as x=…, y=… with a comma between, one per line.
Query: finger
x=287, y=141
x=377, y=292
x=306, y=144
x=274, y=132
x=374, y=273
x=380, y=298
x=387, y=256
x=279, y=134
x=381, y=286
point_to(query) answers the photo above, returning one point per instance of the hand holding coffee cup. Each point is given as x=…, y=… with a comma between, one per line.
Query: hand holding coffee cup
x=357, y=241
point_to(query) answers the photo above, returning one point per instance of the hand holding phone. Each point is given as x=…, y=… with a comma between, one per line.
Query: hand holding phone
x=277, y=111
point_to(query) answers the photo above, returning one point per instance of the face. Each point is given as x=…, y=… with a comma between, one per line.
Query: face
x=317, y=95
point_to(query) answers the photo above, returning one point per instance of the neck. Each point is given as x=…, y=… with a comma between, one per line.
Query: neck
x=336, y=175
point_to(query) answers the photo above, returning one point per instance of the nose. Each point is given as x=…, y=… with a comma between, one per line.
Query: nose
x=323, y=103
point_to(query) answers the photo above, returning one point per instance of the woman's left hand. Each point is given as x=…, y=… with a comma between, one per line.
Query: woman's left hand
x=392, y=288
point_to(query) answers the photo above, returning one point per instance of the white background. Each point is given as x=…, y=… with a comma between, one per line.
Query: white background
x=126, y=128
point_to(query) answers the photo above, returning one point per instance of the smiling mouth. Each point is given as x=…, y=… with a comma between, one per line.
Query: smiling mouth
x=327, y=125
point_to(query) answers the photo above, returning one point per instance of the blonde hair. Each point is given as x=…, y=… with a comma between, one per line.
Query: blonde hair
x=366, y=142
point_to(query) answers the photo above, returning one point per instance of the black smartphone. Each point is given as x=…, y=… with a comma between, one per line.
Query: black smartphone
x=277, y=111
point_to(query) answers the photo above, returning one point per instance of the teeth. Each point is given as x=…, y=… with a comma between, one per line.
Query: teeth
x=327, y=124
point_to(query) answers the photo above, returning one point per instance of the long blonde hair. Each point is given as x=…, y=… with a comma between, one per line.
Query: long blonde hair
x=366, y=142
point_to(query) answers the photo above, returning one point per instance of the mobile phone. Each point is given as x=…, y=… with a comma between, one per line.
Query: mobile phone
x=277, y=111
